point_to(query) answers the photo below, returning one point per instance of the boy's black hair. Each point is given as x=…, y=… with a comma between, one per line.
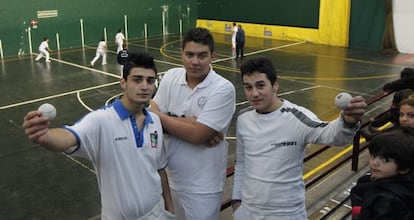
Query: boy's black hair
x=397, y=144
x=199, y=35
x=136, y=59
x=401, y=95
x=261, y=65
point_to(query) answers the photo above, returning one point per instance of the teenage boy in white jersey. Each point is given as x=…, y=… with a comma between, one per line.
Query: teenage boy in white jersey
x=100, y=52
x=271, y=137
x=119, y=40
x=196, y=106
x=124, y=142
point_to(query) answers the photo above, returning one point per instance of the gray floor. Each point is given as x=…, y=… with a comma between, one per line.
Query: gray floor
x=38, y=184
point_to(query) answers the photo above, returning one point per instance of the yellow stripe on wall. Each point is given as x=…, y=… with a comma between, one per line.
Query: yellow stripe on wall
x=333, y=29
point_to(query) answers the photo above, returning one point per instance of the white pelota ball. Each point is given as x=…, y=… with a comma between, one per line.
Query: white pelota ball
x=48, y=110
x=342, y=100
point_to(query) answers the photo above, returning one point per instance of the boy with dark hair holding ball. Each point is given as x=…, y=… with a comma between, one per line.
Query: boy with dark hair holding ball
x=272, y=135
x=124, y=142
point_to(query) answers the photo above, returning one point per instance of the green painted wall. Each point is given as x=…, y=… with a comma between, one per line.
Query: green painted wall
x=367, y=24
x=96, y=15
x=295, y=13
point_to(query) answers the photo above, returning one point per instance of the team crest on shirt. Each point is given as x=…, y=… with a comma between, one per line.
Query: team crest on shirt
x=154, y=139
x=201, y=101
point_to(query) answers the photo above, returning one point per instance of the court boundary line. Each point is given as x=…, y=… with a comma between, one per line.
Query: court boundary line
x=57, y=95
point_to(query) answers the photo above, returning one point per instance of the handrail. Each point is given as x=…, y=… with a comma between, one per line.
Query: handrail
x=356, y=147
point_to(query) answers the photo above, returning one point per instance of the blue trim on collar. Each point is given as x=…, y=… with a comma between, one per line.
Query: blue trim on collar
x=124, y=114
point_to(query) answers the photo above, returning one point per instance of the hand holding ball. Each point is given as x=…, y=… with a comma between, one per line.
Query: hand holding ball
x=342, y=100
x=48, y=111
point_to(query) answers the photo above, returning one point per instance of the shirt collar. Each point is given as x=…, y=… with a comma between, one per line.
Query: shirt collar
x=123, y=113
x=203, y=83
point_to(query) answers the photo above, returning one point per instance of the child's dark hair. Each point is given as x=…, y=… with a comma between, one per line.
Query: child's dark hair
x=261, y=65
x=135, y=59
x=397, y=144
x=199, y=35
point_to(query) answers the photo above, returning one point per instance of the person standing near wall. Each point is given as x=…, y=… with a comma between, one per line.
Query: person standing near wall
x=119, y=40
x=122, y=57
x=233, y=38
x=240, y=38
x=196, y=106
x=100, y=52
x=44, y=50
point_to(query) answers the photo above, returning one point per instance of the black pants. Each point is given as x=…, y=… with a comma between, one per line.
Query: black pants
x=240, y=49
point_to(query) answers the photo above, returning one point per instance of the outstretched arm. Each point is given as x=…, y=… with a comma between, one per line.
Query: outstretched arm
x=37, y=130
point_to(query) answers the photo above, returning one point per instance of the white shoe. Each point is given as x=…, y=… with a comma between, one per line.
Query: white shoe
x=47, y=61
x=91, y=64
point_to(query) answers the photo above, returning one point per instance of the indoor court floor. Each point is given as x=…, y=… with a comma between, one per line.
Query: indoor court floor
x=39, y=184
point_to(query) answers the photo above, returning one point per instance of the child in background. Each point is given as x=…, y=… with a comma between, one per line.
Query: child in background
x=387, y=191
x=406, y=81
x=392, y=115
x=406, y=114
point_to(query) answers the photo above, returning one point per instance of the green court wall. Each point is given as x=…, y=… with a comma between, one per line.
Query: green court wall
x=367, y=24
x=295, y=13
x=96, y=16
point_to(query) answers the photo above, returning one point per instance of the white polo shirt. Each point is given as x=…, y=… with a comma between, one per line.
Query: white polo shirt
x=126, y=160
x=197, y=168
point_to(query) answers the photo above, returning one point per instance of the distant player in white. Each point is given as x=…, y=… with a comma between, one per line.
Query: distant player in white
x=100, y=51
x=233, y=37
x=119, y=40
x=124, y=142
x=44, y=50
x=197, y=106
x=271, y=138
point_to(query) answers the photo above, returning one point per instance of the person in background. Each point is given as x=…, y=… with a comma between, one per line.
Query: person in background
x=387, y=191
x=119, y=40
x=272, y=134
x=233, y=38
x=196, y=106
x=100, y=52
x=406, y=81
x=240, y=38
x=406, y=114
x=392, y=116
x=124, y=142
x=122, y=57
x=44, y=50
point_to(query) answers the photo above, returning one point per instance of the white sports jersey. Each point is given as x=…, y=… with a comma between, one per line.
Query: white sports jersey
x=233, y=36
x=125, y=159
x=43, y=45
x=101, y=46
x=197, y=168
x=119, y=38
x=269, y=156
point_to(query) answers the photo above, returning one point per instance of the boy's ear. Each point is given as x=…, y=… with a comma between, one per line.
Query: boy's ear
x=403, y=171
